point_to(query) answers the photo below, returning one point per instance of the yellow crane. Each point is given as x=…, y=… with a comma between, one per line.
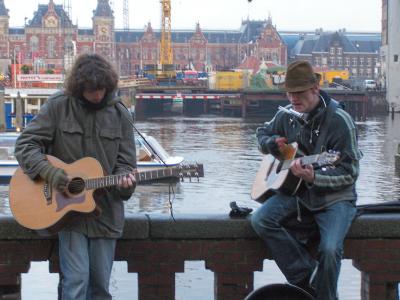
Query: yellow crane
x=165, y=71
x=166, y=47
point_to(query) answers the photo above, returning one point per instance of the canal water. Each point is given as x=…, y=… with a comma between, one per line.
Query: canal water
x=227, y=148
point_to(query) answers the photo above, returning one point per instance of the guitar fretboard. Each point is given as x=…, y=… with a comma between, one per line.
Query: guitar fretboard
x=305, y=160
x=106, y=181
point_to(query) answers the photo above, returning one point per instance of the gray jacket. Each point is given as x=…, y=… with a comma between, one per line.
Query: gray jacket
x=328, y=128
x=69, y=131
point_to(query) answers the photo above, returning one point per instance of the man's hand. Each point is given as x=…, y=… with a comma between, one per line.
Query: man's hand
x=127, y=181
x=275, y=145
x=56, y=177
x=304, y=172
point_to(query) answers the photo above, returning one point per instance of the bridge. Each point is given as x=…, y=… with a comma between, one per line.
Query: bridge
x=156, y=248
x=247, y=103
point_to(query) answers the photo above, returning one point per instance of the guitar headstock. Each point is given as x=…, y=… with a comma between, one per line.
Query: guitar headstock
x=327, y=158
x=190, y=170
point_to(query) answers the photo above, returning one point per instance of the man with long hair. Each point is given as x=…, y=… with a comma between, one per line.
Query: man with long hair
x=84, y=120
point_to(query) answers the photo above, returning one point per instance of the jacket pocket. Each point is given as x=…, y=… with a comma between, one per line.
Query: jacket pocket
x=71, y=137
x=110, y=139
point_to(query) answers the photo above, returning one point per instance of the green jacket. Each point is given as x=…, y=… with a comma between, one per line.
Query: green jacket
x=69, y=131
x=337, y=131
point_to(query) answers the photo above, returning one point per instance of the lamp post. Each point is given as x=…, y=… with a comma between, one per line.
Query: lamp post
x=15, y=68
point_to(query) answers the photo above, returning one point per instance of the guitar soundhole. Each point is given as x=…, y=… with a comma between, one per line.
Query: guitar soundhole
x=76, y=186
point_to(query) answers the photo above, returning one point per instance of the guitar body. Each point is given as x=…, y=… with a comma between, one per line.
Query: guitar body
x=47, y=212
x=270, y=178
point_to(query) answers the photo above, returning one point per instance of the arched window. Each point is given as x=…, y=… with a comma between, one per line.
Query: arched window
x=51, y=44
x=69, y=46
x=34, y=44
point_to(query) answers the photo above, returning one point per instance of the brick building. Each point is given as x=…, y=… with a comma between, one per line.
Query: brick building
x=50, y=39
x=356, y=53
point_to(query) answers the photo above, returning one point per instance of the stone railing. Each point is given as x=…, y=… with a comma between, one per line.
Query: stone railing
x=155, y=247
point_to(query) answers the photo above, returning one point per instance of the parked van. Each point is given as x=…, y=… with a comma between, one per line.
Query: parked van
x=369, y=84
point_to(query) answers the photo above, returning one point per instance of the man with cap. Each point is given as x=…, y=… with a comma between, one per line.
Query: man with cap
x=325, y=203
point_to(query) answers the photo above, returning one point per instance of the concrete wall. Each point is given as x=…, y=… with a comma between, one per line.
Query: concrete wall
x=393, y=50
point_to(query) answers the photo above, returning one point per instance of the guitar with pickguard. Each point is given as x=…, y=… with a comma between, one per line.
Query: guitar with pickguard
x=274, y=174
x=35, y=205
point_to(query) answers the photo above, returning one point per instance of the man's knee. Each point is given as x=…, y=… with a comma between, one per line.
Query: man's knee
x=75, y=286
x=330, y=251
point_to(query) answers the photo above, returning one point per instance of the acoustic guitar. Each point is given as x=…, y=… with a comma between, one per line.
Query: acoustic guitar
x=36, y=206
x=274, y=174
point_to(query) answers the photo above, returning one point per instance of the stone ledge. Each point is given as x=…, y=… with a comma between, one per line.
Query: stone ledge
x=199, y=226
x=209, y=226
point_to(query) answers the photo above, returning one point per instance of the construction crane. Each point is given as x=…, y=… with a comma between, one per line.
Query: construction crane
x=166, y=47
x=164, y=73
x=125, y=13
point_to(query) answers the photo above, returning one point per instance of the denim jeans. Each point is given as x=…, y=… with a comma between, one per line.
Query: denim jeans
x=85, y=266
x=290, y=254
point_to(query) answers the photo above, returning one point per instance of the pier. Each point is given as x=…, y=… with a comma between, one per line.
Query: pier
x=248, y=103
x=156, y=247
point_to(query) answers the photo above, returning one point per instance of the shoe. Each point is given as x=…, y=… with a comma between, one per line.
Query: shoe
x=238, y=211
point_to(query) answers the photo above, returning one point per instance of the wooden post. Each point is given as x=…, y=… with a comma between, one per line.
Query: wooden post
x=18, y=113
x=244, y=106
x=2, y=110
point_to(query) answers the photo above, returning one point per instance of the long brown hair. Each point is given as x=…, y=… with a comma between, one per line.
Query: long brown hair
x=91, y=72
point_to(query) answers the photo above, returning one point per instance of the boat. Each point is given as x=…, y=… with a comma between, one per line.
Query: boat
x=177, y=104
x=151, y=156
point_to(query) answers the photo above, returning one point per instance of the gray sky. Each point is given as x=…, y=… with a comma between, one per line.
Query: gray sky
x=354, y=15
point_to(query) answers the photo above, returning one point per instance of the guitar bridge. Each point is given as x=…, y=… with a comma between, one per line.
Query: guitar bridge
x=47, y=193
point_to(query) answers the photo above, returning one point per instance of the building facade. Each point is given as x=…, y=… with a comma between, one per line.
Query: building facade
x=390, y=51
x=356, y=53
x=51, y=40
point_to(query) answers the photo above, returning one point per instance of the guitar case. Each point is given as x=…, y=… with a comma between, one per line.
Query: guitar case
x=278, y=291
x=379, y=208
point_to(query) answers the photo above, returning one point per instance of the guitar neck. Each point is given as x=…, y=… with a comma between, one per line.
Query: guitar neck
x=111, y=180
x=305, y=160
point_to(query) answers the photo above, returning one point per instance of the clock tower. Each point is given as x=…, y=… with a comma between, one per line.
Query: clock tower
x=4, y=30
x=103, y=28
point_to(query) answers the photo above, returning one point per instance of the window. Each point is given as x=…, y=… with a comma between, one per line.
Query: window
x=34, y=43
x=361, y=61
x=332, y=52
x=354, y=61
x=51, y=43
x=348, y=61
x=339, y=61
x=86, y=49
x=339, y=51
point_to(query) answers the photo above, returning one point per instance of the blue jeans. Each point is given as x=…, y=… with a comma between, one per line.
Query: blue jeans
x=85, y=266
x=290, y=254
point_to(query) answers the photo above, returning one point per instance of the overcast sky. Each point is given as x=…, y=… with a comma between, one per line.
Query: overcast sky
x=354, y=15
